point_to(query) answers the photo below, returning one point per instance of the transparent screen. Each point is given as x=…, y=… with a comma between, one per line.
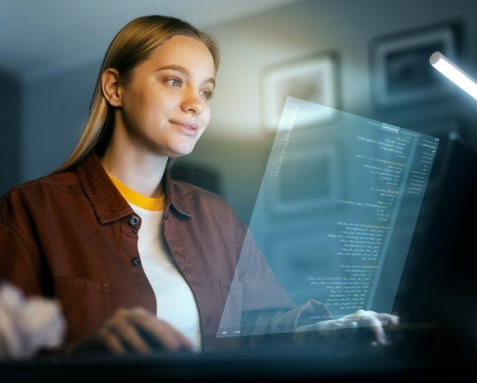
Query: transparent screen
x=333, y=221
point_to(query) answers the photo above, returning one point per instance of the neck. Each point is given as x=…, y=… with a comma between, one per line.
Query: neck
x=136, y=168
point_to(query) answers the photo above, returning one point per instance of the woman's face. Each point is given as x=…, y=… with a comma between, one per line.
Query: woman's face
x=165, y=104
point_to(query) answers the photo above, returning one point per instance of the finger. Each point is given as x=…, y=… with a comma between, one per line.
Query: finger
x=112, y=342
x=172, y=339
x=385, y=319
x=377, y=329
x=162, y=331
x=394, y=320
x=368, y=318
x=129, y=335
x=175, y=338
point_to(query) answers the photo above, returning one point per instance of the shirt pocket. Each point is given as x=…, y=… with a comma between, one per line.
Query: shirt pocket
x=86, y=303
x=232, y=293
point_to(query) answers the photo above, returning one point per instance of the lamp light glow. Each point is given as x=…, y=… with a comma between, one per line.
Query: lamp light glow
x=453, y=73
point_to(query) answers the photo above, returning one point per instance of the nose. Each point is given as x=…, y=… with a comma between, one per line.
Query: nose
x=193, y=104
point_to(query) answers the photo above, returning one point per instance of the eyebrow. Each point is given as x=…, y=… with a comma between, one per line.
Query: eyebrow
x=184, y=71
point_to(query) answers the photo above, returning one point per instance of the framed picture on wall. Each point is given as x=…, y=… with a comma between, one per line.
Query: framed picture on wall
x=312, y=78
x=309, y=182
x=400, y=69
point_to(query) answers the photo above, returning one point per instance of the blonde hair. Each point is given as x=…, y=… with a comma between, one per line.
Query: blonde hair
x=133, y=44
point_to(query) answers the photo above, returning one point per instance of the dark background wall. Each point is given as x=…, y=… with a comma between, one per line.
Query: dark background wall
x=41, y=113
x=53, y=113
x=236, y=142
x=10, y=132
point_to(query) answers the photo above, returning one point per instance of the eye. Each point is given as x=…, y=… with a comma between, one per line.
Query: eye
x=175, y=82
x=207, y=94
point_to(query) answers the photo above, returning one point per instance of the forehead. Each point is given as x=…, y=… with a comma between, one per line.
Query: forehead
x=185, y=51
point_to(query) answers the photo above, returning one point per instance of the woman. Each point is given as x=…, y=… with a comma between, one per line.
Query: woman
x=134, y=257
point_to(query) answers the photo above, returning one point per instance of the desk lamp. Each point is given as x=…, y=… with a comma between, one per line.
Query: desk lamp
x=453, y=73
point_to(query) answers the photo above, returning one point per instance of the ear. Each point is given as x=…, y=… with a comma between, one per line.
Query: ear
x=110, y=87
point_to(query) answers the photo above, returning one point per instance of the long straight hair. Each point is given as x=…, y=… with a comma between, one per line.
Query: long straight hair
x=133, y=44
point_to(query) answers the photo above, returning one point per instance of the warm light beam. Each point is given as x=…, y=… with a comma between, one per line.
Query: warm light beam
x=453, y=73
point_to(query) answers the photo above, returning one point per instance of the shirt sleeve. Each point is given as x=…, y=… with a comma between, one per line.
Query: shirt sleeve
x=266, y=307
x=17, y=263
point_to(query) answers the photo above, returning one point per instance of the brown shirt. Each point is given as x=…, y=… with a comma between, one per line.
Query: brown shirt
x=72, y=236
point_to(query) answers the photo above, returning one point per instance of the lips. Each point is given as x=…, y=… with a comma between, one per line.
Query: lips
x=187, y=124
x=188, y=127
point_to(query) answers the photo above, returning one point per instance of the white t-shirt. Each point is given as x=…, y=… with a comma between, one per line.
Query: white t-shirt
x=175, y=302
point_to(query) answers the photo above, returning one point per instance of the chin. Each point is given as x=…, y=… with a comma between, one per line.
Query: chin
x=182, y=150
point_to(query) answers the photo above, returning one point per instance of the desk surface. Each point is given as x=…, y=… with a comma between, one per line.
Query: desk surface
x=414, y=354
x=292, y=365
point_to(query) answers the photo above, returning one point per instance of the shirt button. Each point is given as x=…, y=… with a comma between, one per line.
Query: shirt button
x=134, y=220
x=210, y=321
x=136, y=261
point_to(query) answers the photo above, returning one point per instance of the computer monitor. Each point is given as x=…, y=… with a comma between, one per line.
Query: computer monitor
x=438, y=290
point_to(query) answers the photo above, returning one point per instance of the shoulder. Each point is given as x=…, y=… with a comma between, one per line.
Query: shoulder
x=51, y=182
x=192, y=195
x=36, y=192
x=199, y=202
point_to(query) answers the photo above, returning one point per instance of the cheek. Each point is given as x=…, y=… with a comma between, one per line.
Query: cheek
x=154, y=111
x=148, y=99
x=206, y=115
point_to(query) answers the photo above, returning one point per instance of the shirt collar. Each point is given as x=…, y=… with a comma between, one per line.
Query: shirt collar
x=108, y=203
x=177, y=194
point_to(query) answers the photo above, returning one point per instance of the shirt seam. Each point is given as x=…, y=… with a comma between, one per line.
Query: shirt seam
x=45, y=181
x=17, y=230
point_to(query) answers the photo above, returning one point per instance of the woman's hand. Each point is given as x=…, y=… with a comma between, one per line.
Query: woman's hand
x=136, y=330
x=343, y=328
